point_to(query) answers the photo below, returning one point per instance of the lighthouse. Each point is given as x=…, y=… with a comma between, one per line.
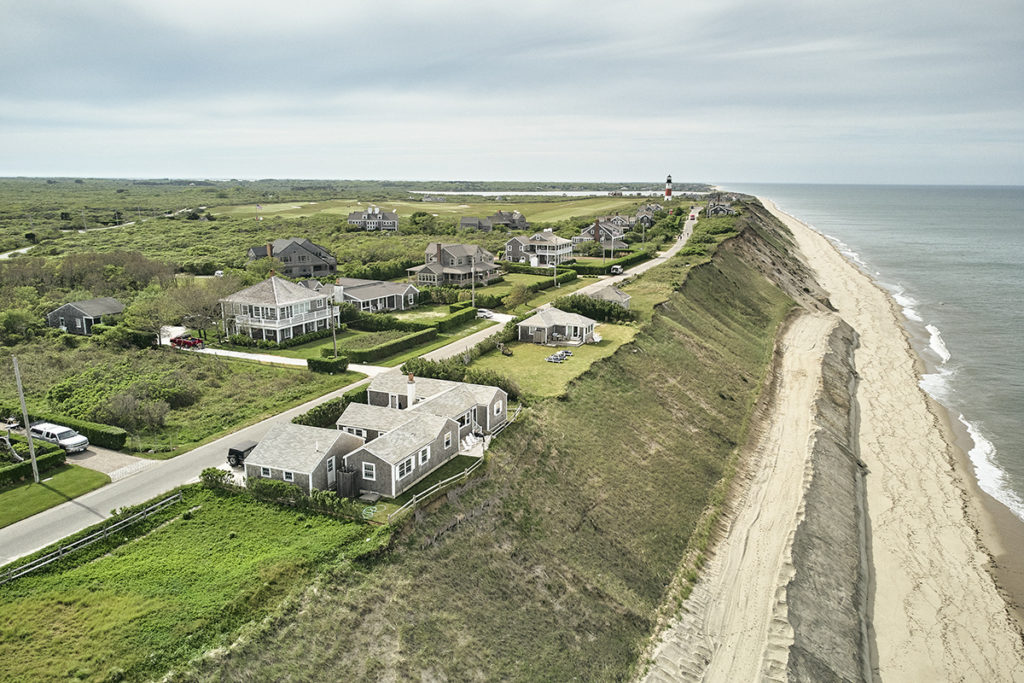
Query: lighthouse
x=668, y=189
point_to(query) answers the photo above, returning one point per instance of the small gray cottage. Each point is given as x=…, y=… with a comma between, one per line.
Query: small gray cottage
x=613, y=294
x=556, y=327
x=78, y=317
x=308, y=457
x=298, y=256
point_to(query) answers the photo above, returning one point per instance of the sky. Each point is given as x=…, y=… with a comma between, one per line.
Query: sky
x=892, y=91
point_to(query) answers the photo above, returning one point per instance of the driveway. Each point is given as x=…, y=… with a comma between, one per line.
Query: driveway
x=112, y=463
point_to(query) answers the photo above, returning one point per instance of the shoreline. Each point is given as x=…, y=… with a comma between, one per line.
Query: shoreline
x=917, y=562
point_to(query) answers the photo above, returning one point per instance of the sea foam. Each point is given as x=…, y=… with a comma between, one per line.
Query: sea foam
x=936, y=344
x=991, y=478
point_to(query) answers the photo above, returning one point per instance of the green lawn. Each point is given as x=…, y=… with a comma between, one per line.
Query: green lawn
x=539, y=378
x=383, y=508
x=56, y=486
x=510, y=280
x=132, y=611
x=423, y=312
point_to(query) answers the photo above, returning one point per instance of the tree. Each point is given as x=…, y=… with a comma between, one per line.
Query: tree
x=261, y=267
x=519, y=295
x=199, y=300
x=152, y=310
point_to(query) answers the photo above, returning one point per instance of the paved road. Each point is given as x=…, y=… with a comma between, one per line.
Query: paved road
x=9, y=254
x=51, y=525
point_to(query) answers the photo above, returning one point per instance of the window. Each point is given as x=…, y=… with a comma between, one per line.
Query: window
x=355, y=432
x=405, y=468
x=497, y=408
x=330, y=465
x=264, y=471
x=464, y=420
x=369, y=471
x=425, y=454
x=447, y=440
x=289, y=476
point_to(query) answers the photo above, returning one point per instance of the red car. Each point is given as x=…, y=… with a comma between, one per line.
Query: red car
x=188, y=342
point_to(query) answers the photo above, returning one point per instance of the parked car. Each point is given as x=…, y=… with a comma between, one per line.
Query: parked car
x=484, y=313
x=238, y=452
x=187, y=342
x=616, y=270
x=65, y=437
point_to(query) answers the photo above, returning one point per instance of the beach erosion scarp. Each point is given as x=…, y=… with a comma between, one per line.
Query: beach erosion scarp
x=935, y=610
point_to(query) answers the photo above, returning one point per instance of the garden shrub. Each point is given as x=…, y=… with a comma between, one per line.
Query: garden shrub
x=98, y=434
x=598, y=309
x=216, y=478
x=328, y=366
x=327, y=413
x=392, y=347
x=46, y=459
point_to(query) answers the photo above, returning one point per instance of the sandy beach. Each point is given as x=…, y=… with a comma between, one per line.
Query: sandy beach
x=935, y=607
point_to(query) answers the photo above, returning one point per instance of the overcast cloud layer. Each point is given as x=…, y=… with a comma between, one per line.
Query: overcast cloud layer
x=723, y=90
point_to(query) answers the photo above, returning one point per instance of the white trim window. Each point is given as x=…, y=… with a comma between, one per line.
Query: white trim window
x=264, y=471
x=405, y=468
x=447, y=440
x=369, y=471
x=497, y=408
x=425, y=454
x=289, y=476
x=355, y=432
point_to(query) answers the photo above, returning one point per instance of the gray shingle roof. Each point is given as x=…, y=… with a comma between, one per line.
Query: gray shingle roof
x=611, y=294
x=104, y=305
x=377, y=418
x=451, y=403
x=555, y=316
x=395, y=383
x=399, y=444
x=298, y=448
x=548, y=237
x=273, y=291
x=372, y=289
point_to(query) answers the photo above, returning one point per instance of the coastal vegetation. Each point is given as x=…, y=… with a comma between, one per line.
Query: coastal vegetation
x=171, y=587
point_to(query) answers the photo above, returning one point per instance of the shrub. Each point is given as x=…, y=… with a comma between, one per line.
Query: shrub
x=327, y=413
x=215, y=478
x=328, y=366
x=273, y=490
x=452, y=308
x=603, y=311
x=392, y=347
x=119, y=336
x=453, y=320
x=46, y=460
x=98, y=434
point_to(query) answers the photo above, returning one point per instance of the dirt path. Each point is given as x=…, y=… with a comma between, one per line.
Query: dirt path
x=733, y=627
x=937, y=614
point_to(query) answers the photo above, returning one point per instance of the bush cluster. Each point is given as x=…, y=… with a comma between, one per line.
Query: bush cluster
x=123, y=337
x=603, y=311
x=392, y=347
x=327, y=413
x=328, y=366
x=455, y=370
x=46, y=460
x=247, y=341
x=285, y=493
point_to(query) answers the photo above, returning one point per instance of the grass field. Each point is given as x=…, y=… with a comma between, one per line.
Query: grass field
x=382, y=508
x=158, y=600
x=55, y=487
x=553, y=210
x=541, y=379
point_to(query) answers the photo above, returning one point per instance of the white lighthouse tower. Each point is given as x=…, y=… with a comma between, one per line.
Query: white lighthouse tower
x=668, y=189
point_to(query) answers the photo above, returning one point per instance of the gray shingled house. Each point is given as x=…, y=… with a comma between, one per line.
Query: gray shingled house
x=299, y=257
x=540, y=249
x=455, y=264
x=613, y=294
x=308, y=457
x=553, y=326
x=374, y=219
x=277, y=309
x=78, y=317
x=375, y=295
x=413, y=426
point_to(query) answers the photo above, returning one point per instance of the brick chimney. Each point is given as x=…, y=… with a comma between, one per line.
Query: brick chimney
x=410, y=391
x=439, y=254
x=270, y=250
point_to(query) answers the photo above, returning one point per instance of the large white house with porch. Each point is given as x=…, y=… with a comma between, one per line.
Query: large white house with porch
x=276, y=310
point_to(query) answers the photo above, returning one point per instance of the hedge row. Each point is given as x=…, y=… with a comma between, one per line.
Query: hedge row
x=604, y=269
x=513, y=267
x=453, y=320
x=458, y=306
x=137, y=338
x=98, y=434
x=598, y=309
x=392, y=347
x=327, y=413
x=51, y=459
x=246, y=340
x=328, y=366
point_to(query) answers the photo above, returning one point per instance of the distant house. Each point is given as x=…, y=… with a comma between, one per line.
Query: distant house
x=298, y=256
x=540, y=249
x=412, y=427
x=474, y=223
x=508, y=220
x=556, y=327
x=645, y=214
x=623, y=222
x=610, y=235
x=455, y=264
x=276, y=309
x=78, y=317
x=720, y=210
x=308, y=457
x=375, y=295
x=613, y=294
x=374, y=219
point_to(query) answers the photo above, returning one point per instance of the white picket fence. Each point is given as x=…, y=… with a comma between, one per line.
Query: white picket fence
x=57, y=554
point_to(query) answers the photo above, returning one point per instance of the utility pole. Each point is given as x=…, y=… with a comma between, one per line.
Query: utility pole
x=24, y=416
x=472, y=283
x=334, y=326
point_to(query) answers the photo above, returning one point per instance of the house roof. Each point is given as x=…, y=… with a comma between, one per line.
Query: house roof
x=279, y=245
x=298, y=448
x=453, y=402
x=548, y=237
x=362, y=290
x=611, y=294
x=273, y=291
x=104, y=305
x=399, y=444
x=395, y=383
x=378, y=418
x=458, y=249
x=554, y=316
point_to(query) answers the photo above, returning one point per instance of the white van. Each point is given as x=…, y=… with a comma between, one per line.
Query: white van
x=65, y=437
x=616, y=270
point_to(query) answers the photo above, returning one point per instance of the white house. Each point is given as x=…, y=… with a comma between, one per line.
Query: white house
x=276, y=309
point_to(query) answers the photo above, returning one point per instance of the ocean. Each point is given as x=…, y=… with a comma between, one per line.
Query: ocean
x=953, y=259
